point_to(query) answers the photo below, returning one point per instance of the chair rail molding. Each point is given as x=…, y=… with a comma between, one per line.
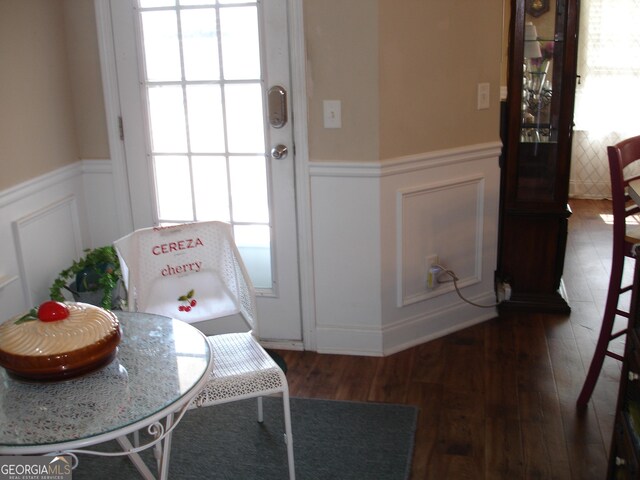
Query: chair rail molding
x=38, y=184
x=407, y=163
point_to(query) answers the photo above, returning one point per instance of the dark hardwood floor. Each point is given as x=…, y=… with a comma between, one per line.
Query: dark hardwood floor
x=497, y=400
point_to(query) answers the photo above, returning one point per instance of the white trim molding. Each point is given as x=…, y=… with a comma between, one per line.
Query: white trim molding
x=297, y=53
x=112, y=108
x=407, y=163
x=36, y=185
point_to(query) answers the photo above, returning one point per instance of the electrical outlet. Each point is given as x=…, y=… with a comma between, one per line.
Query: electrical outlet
x=430, y=260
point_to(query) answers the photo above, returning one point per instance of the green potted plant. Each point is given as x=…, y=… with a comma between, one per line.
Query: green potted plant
x=95, y=278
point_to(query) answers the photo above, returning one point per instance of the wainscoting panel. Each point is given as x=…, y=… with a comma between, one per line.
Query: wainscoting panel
x=47, y=222
x=346, y=259
x=46, y=241
x=452, y=231
x=443, y=203
x=373, y=224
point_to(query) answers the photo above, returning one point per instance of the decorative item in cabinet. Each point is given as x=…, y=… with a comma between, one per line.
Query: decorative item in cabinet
x=536, y=88
x=535, y=8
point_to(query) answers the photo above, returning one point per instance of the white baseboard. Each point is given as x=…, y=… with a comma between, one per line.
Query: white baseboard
x=404, y=334
x=282, y=345
x=428, y=326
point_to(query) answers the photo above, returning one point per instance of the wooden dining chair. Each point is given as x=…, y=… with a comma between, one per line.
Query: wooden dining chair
x=624, y=166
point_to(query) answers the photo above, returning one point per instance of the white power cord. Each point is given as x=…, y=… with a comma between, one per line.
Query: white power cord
x=455, y=279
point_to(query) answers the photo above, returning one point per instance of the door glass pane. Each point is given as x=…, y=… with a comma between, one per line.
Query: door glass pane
x=200, y=44
x=166, y=113
x=204, y=91
x=245, y=127
x=173, y=184
x=240, y=43
x=161, y=46
x=206, y=132
x=254, y=244
x=211, y=188
x=156, y=3
x=249, y=197
x=197, y=2
x=230, y=2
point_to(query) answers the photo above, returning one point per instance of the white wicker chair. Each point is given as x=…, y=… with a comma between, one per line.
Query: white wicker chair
x=193, y=272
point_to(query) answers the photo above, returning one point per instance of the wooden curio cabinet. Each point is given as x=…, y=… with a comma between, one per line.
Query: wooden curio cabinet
x=537, y=131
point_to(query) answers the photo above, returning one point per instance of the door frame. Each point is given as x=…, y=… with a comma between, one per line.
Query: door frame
x=298, y=97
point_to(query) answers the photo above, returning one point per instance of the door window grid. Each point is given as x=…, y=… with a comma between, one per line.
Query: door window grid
x=206, y=127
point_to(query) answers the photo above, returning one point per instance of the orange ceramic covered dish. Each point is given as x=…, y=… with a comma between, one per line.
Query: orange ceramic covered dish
x=59, y=341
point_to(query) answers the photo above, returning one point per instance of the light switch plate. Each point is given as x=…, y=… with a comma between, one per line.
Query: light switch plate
x=483, y=95
x=332, y=110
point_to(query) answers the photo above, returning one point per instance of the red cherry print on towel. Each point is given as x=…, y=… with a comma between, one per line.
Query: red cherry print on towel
x=187, y=302
x=52, y=311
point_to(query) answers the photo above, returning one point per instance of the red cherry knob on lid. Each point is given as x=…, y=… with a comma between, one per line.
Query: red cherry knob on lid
x=52, y=311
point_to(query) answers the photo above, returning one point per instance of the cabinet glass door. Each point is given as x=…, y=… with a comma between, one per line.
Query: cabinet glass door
x=542, y=66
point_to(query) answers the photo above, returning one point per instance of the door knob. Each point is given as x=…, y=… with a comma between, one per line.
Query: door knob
x=279, y=152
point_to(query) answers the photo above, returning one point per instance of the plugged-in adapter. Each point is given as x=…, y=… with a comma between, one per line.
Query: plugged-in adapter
x=504, y=292
x=432, y=276
x=433, y=270
x=507, y=291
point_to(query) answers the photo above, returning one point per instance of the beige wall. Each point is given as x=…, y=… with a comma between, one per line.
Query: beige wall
x=432, y=56
x=506, y=19
x=36, y=115
x=405, y=71
x=85, y=78
x=51, y=105
x=342, y=60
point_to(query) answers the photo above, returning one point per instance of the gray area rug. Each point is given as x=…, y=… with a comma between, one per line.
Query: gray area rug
x=332, y=440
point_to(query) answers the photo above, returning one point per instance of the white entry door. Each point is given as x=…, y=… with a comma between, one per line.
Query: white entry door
x=206, y=125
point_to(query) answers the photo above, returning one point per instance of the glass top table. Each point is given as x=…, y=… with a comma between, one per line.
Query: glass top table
x=160, y=366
